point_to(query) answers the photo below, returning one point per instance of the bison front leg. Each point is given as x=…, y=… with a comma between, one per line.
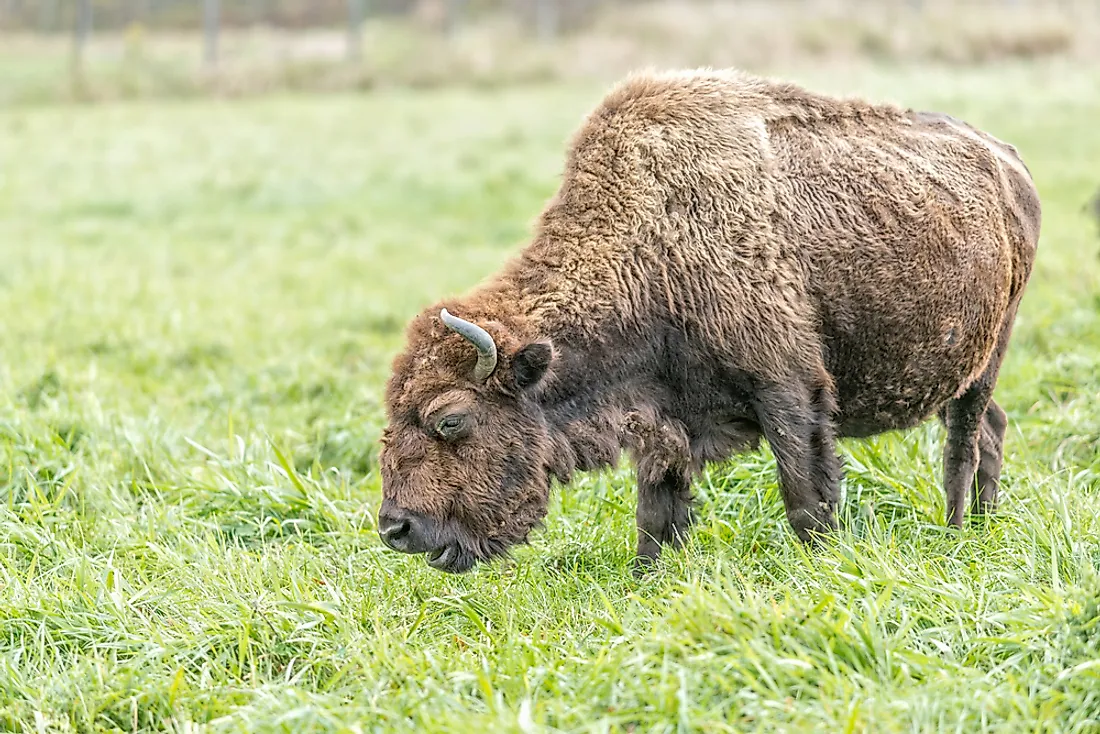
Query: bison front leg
x=797, y=422
x=664, y=510
x=664, y=485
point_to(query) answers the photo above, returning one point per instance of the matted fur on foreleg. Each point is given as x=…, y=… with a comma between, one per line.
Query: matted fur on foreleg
x=664, y=511
x=797, y=423
x=664, y=466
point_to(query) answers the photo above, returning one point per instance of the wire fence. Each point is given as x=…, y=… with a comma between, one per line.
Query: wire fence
x=135, y=47
x=546, y=17
x=542, y=19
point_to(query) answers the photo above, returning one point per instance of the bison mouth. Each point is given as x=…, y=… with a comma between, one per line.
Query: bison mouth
x=446, y=545
x=462, y=552
x=451, y=558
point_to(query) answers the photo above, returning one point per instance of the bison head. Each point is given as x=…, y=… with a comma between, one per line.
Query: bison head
x=466, y=454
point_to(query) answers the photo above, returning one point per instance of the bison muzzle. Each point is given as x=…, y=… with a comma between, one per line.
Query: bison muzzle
x=728, y=258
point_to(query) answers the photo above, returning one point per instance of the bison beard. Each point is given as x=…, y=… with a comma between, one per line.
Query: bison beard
x=727, y=259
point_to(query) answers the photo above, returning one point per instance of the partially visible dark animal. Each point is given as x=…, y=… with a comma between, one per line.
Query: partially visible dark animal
x=727, y=258
x=1092, y=208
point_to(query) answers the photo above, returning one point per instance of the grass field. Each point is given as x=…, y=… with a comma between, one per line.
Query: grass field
x=201, y=300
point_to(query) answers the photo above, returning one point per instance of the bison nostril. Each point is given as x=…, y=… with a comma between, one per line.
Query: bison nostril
x=405, y=531
x=396, y=531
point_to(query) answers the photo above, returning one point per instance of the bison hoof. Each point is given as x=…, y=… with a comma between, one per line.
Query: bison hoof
x=811, y=524
x=642, y=566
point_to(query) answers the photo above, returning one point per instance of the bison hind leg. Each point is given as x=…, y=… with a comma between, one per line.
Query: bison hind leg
x=990, y=457
x=962, y=417
x=974, y=451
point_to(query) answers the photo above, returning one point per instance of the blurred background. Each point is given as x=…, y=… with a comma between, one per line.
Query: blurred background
x=119, y=48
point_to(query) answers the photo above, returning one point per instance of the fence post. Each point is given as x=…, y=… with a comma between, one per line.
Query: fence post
x=47, y=16
x=355, y=29
x=453, y=17
x=546, y=19
x=141, y=11
x=211, y=22
x=83, y=30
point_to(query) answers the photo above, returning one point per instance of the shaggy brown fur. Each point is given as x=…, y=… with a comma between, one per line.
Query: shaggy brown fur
x=727, y=258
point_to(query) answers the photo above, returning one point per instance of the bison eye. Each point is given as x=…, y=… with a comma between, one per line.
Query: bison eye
x=450, y=426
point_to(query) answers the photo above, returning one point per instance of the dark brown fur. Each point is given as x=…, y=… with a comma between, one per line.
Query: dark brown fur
x=727, y=258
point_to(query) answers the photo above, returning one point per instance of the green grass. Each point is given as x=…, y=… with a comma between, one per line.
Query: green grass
x=200, y=303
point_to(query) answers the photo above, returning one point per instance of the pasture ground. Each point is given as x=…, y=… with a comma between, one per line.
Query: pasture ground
x=201, y=300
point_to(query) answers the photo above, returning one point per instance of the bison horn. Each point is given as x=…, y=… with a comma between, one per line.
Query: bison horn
x=481, y=339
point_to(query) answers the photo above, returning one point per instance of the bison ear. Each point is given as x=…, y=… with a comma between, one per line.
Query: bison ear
x=530, y=364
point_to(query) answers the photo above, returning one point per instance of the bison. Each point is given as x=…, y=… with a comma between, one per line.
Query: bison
x=727, y=258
